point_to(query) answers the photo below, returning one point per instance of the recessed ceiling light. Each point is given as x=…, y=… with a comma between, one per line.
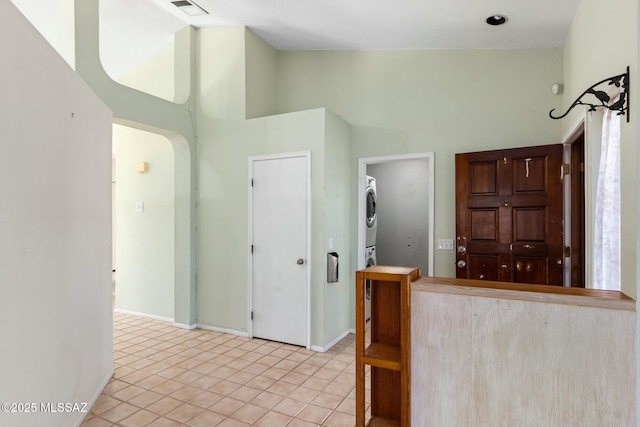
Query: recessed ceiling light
x=189, y=7
x=497, y=19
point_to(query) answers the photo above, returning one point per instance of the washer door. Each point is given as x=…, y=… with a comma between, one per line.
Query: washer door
x=371, y=207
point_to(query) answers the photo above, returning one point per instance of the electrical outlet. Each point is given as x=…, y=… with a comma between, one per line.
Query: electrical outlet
x=139, y=206
x=445, y=244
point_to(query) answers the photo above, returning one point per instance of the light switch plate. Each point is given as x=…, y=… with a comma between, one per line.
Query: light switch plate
x=139, y=206
x=445, y=244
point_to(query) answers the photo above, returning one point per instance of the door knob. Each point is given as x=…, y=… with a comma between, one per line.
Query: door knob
x=462, y=249
x=300, y=261
x=462, y=263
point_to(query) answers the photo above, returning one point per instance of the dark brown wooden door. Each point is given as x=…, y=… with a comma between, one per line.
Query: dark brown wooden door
x=509, y=215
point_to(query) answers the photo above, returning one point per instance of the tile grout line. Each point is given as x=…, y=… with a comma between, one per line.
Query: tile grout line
x=130, y=333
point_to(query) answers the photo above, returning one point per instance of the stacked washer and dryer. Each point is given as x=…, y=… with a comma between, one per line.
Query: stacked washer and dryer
x=371, y=221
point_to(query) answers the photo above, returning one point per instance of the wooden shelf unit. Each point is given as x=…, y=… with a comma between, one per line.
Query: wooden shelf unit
x=389, y=351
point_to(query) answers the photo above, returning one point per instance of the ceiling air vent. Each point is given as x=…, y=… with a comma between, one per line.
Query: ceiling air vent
x=189, y=7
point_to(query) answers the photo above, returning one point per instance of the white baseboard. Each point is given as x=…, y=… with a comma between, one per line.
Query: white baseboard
x=223, y=330
x=185, y=326
x=149, y=316
x=95, y=397
x=332, y=343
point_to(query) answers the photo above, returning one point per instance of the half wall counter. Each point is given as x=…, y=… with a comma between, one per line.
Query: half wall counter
x=503, y=354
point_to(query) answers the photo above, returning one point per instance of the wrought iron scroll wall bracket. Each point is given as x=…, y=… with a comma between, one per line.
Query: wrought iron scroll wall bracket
x=603, y=99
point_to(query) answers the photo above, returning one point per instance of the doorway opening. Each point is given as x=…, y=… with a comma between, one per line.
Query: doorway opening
x=574, y=207
x=404, y=186
x=143, y=223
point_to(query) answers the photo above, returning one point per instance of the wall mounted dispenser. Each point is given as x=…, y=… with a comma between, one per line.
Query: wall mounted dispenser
x=332, y=267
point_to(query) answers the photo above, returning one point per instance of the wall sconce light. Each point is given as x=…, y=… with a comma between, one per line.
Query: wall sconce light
x=603, y=99
x=142, y=167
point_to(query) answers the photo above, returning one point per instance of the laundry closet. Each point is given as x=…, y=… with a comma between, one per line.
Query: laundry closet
x=398, y=213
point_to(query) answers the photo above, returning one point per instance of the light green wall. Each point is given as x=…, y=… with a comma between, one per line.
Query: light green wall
x=261, y=69
x=156, y=76
x=223, y=259
x=237, y=74
x=402, y=102
x=144, y=240
x=221, y=76
x=222, y=282
x=338, y=298
x=223, y=153
x=175, y=121
x=602, y=42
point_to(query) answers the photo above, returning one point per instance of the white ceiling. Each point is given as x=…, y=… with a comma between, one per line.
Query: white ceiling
x=131, y=27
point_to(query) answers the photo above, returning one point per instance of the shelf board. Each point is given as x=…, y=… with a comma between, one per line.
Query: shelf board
x=382, y=422
x=383, y=356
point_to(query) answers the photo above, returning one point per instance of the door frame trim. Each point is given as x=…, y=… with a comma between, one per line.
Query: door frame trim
x=578, y=129
x=362, y=176
x=592, y=123
x=251, y=160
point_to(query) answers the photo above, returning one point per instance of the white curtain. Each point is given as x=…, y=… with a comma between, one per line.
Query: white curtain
x=606, y=253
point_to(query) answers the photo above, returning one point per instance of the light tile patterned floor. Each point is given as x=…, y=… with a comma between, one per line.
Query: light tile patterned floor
x=166, y=377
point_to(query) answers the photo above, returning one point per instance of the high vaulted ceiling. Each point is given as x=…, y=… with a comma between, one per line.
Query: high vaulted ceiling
x=139, y=25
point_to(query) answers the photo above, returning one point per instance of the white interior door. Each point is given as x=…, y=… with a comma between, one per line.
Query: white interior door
x=279, y=266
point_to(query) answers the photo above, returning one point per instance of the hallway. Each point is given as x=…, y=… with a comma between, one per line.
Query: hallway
x=167, y=377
